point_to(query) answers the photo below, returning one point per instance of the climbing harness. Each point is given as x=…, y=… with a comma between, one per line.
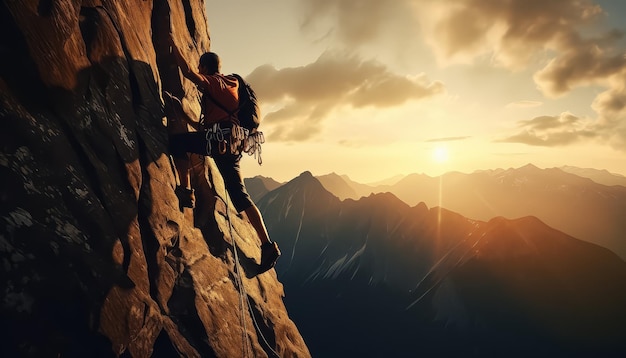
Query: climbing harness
x=252, y=138
x=233, y=134
x=242, y=292
x=241, y=140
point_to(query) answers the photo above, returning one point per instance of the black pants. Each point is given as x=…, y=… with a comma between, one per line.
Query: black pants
x=227, y=164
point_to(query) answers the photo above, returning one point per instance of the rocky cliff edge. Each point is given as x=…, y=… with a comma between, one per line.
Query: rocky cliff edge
x=96, y=257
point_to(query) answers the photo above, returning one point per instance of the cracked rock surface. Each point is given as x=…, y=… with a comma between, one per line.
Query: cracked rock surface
x=96, y=258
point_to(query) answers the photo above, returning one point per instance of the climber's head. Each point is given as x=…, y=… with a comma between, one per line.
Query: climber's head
x=209, y=63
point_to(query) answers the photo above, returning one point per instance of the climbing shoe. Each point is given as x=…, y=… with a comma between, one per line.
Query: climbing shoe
x=186, y=197
x=269, y=255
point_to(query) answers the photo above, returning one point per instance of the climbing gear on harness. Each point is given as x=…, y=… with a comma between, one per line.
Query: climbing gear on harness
x=224, y=134
x=252, y=145
x=240, y=138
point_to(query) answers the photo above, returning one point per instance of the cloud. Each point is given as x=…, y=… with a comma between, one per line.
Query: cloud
x=547, y=140
x=611, y=105
x=357, y=22
x=549, y=131
x=564, y=40
x=512, y=32
x=301, y=98
x=446, y=139
x=612, y=102
x=567, y=129
x=556, y=35
x=564, y=121
x=582, y=62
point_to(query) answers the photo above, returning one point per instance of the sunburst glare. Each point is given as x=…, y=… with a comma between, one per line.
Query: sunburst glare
x=440, y=154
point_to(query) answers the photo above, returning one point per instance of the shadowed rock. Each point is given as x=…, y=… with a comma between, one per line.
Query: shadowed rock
x=96, y=258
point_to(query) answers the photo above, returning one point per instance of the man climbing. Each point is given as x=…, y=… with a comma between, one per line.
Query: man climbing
x=221, y=138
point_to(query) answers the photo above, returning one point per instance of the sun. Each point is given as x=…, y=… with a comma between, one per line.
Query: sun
x=440, y=154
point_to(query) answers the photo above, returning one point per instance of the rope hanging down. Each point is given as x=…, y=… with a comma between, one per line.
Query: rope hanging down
x=246, y=345
x=245, y=340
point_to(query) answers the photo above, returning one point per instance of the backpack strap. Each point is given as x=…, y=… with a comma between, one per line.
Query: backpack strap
x=231, y=115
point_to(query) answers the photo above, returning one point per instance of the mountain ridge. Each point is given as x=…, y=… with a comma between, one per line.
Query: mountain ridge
x=429, y=270
x=576, y=205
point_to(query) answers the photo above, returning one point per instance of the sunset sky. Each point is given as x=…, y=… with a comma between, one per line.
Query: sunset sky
x=376, y=88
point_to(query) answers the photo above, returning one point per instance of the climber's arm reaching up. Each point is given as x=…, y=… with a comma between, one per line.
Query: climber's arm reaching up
x=195, y=77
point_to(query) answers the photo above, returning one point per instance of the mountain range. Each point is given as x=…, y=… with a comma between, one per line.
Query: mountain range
x=577, y=201
x=379, y=277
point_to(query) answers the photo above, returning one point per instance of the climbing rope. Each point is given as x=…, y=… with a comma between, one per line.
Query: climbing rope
x=242, y=291
x=245, y=341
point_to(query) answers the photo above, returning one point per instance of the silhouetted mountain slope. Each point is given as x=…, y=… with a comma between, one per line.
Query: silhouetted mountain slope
x=558, y=287
x=390, y=279
x=389, y=181
x=337, y=185
x=573, y=204
x=259, y=186
x=599, y=176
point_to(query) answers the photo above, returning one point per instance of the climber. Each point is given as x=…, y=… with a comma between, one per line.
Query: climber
x=226, y=151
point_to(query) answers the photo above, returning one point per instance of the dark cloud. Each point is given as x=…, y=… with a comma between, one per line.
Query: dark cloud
x=308, y=93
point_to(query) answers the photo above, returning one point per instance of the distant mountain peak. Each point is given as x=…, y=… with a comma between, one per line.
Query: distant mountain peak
x=307, y=181
x=305, y=178
x=339, y=185
x=529, y=167
x=385, y=197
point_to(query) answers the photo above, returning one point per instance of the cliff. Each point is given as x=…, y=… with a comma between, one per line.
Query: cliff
x=96, y=257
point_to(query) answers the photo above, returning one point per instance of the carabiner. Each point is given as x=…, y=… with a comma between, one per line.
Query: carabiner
x=222, y=147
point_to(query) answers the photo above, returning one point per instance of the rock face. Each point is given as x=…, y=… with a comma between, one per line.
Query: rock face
x=96, y=257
